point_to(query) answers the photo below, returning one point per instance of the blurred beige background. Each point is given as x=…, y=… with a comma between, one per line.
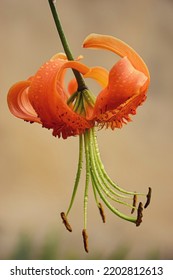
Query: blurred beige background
x=37, y=170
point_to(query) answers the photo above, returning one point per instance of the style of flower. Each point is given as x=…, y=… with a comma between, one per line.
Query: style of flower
x=43, y=99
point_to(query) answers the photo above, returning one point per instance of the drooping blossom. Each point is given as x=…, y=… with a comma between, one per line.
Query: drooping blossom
x=43, y=98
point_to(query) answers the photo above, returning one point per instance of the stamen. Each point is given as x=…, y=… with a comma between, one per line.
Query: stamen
x=139, y=214
x=65, y=221
x=134, y=203
x=102, y=212
x=97, y=184
x=85, y=239
x=72, y=97
x=78, y=174
x=104, y=174
x=148, y=198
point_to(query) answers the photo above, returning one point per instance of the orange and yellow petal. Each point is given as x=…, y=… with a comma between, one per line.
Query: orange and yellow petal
x=124, y=82
x=72, y=86
x=117, y=117
x=117, y=46
x=99, y=74
x=19, y=104
x=126, y=90
x=47, y=96
x=127, y=85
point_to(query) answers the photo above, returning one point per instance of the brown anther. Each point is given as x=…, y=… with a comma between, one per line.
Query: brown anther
x=134, y=203
x=65, y=221
x=148, y=198
x=85, y=239
x=102, y=212
x=139, y=214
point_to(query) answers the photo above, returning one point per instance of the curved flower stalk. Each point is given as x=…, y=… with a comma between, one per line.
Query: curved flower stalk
x=44, y=99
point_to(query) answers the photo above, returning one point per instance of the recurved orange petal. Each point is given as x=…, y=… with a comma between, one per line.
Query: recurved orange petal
x=117, y=46
x=19, y=103
x=47, y=96
x=99, y=74
x=124, y=82
x=127, y=85
x=125, y=92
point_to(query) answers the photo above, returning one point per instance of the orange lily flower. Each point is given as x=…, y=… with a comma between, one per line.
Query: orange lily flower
x=43, y=99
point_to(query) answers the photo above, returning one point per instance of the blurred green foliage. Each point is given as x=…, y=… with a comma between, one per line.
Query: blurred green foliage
x=50, y=249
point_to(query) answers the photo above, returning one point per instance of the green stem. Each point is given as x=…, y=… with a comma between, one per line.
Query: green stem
x=78, y=174
x=87, y=178
x=79, y=78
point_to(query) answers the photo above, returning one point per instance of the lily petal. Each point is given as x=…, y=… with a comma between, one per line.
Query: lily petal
x=117, y=46
x=80, y=67
x=124, y=82
x=49, y=100
x=128, y=83
x=99, y=74
x=19, y=103
x=124, y=93
x=72, y=86
x=59, y=56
